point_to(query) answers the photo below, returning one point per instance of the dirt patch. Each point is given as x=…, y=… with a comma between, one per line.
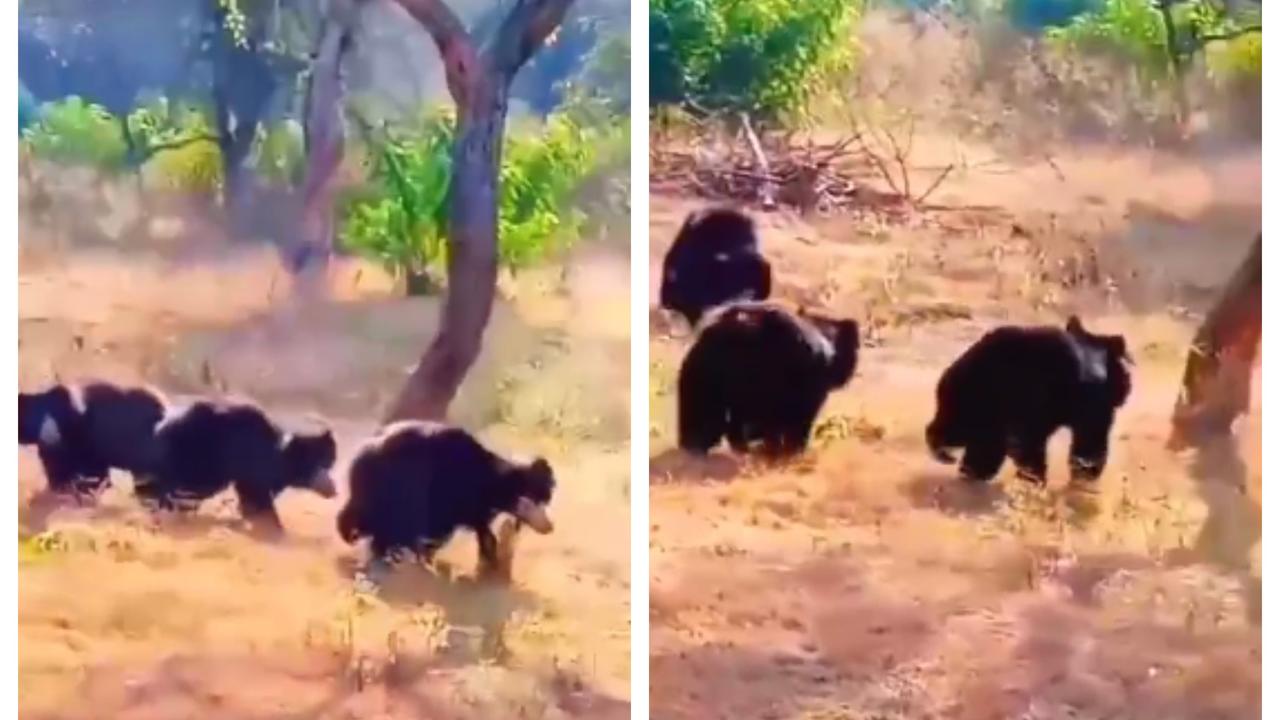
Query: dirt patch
x=123, y=615
x=866, y=580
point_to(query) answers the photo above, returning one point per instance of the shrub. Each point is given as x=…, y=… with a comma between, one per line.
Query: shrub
x=75, y=132
x=400, y=221
x=767, y=57
x=401, y=218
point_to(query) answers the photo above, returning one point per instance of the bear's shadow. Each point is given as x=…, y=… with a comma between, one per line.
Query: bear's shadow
x=486, y=604
x=675, y=465
x=951, y=495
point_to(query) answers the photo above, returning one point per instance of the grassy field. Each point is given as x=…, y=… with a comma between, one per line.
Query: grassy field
x=127, y=616
x=863, y=580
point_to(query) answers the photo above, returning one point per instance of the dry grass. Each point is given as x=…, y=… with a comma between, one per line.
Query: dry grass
x=864, y=580
x=123, y=615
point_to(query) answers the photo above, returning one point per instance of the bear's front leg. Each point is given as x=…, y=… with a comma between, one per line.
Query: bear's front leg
x=488, y=544
x=1090, y=442
x=983, y=457
x=258, y=508
x=1029, y=448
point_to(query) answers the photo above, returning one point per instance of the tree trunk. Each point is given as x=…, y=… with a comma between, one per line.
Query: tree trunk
x=479, y=81
x=312, y=249
x=243, y=83
x=1216, y=383
x=1176, y=64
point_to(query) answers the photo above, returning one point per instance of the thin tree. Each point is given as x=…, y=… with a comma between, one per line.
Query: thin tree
x=1216, y=382
x=479, y=79
x=325, y=141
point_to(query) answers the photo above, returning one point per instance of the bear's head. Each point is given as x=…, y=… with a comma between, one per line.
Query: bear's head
x=310, y=458
x=534, y=485
x=1104, y=361
x=842, y=335
x=714, y=260
x=41, y=415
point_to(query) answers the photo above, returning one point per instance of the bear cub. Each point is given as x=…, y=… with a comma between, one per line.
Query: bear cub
x=416, y=483
x=82, y=432
x=1016, y=386
x=758, y=373
x=210, y=446
x=715, y=259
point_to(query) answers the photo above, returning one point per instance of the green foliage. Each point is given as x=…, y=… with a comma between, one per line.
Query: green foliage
x=767, y=57
x=1134, y=31
x=235, y=21
x=540, y=174
x=1236, y=60
x=193, y=168
x=401, y=219
x=75, y=132
x=173, y=143
x=177, y=147
x=1129, y=30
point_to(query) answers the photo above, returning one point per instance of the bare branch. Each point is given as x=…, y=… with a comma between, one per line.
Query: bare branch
x=936, y=183
x=1230, y=34
x=456, y=46
x=151, y=150
x=526, y=28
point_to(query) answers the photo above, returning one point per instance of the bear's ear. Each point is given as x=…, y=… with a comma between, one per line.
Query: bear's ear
x=541, y=467
x=1074, y=325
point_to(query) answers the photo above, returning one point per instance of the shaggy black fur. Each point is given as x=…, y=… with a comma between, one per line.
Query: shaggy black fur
x=759, y=373
x=211, y=445
x=83, y=432
x=415, y=484
x=1018, y=385
x=715, y=259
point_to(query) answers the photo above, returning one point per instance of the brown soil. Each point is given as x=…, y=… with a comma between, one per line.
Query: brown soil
x=864, y=580
x=125, y=616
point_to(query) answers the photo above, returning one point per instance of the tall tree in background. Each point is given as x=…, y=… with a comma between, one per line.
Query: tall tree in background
x=479, y=80
x=1216, y=382
x=322, y=124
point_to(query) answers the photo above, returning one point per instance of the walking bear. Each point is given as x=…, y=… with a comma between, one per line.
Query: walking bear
x=758, y=373
x=212, y=445
x=1016, y=386
x=416, y=483
x=83, y=432
x=715, y=259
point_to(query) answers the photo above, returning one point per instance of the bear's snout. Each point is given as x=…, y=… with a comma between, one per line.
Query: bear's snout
x=534, y=515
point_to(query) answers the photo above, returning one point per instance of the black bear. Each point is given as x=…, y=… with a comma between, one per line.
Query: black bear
x=715, y=259
x=211, y=445
x=756, y=372
x=83, y=432
x=1017, y=385
x=416, y=483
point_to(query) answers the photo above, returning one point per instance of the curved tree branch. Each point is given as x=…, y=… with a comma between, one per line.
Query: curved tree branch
x=324, y=136
x=1229, y=35
x=479, y=83
x=525, y=30
x=457, y=49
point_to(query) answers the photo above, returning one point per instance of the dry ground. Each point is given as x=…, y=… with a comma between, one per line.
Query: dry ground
x=125, y=617
x=863, y=581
